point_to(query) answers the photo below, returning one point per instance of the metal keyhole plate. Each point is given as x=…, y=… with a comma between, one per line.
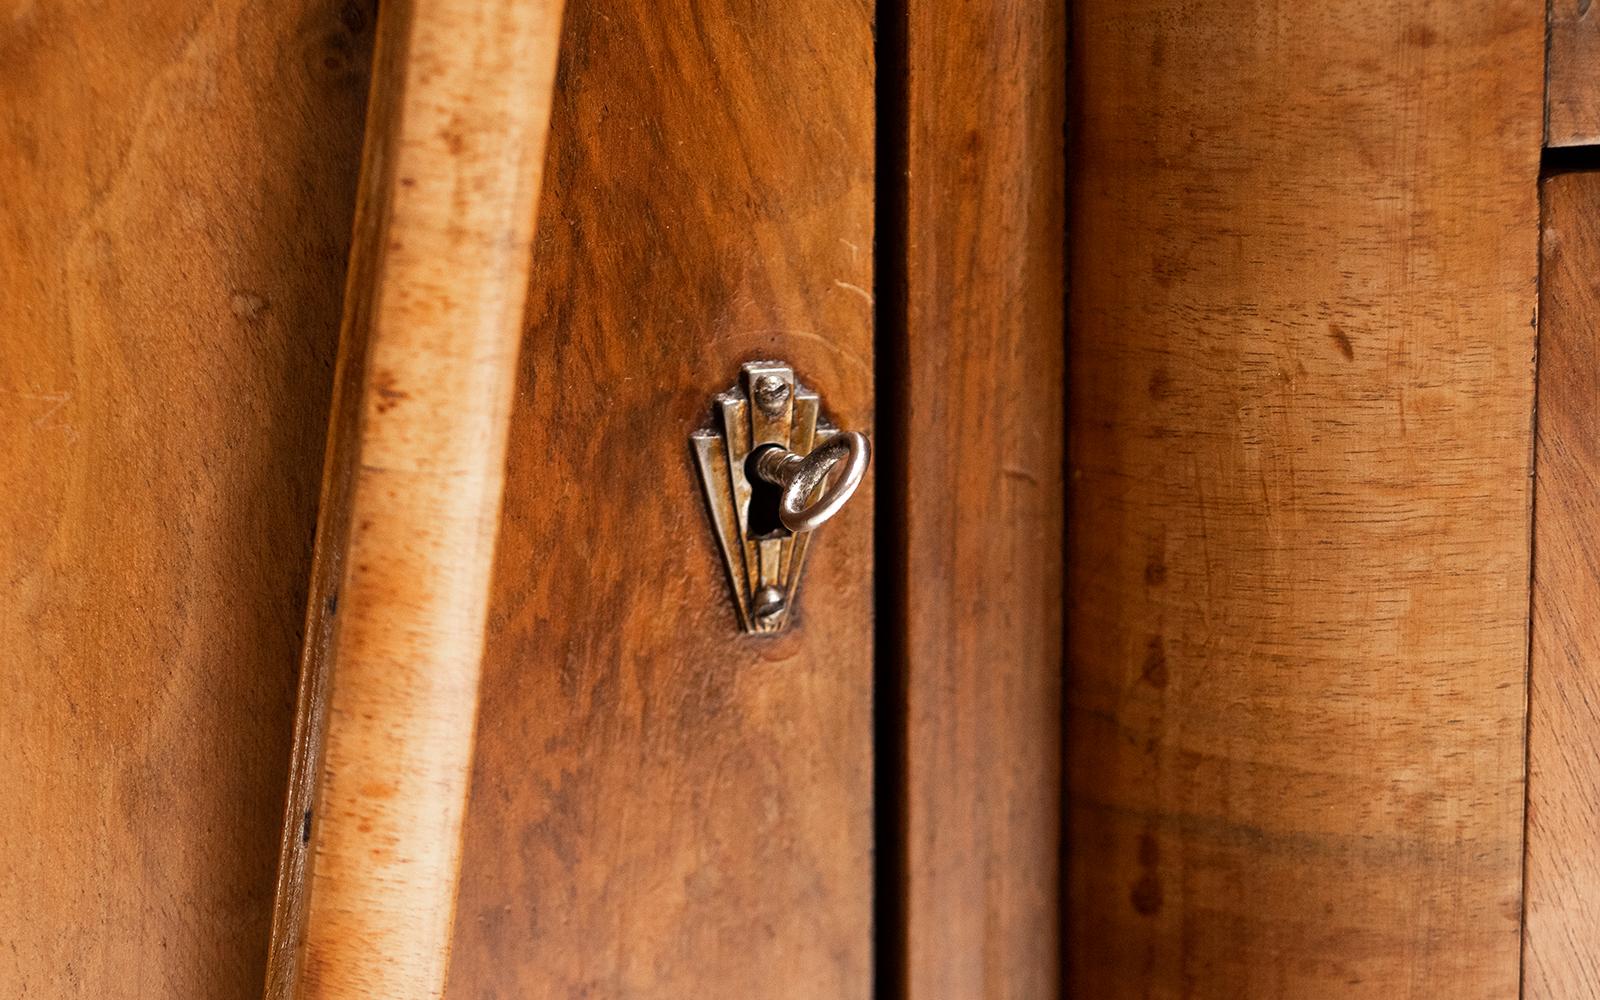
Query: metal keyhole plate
x=768, y=429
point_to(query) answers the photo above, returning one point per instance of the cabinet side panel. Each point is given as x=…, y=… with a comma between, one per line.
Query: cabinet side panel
x=1303, y=249
x=1563, y=875
x=175, y=211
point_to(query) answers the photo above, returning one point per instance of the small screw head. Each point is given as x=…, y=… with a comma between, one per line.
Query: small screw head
x=769, y=604
x=771, y=393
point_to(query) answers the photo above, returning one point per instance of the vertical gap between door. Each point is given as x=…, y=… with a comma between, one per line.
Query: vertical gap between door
x=1567, y=160
x=891, y=354
x=1533, y=562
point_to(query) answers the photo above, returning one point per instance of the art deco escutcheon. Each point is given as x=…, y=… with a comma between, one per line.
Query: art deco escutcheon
x=773, y=471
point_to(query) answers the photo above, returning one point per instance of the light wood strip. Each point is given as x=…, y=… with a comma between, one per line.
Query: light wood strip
x=1303, y=257
x=411, y=499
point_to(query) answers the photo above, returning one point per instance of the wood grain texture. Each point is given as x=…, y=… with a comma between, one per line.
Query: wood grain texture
x=411, y=498
x=980, y=480
x=176, y=187
x=661, y=806
x=1572, y=100
x=1562, y=888
x=1303, y=247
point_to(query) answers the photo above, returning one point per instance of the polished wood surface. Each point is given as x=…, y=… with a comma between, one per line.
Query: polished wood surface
x=979, y=489
x=1303, y=251
x=1573, y=96
x=1562, y=891
x=411, y=498
x=178, y=181
x=663, y=807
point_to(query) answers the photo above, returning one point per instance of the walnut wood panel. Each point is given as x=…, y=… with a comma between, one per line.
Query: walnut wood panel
x=411, y=498
x=1562, y=889
x=661, y=806
x=979, y=475
x=1572, y=101
x=178, y=185
x=1303, y=255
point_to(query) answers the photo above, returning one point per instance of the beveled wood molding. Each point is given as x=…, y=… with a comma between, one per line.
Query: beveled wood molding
x=439, y=272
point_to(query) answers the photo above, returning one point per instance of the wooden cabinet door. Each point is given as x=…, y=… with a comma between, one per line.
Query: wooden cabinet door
x=662, y=806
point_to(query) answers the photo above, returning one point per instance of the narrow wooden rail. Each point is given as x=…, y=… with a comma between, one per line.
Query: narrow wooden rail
x=411, y=495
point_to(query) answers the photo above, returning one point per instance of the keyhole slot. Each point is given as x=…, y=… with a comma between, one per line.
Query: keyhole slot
x=765, y=498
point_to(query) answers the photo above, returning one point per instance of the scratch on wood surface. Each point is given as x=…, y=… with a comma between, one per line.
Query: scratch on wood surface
x=57, y=400
x=854, y=288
